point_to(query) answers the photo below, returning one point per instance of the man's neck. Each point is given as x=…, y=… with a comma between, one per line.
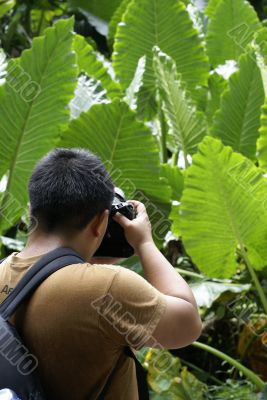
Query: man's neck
x=38, y=244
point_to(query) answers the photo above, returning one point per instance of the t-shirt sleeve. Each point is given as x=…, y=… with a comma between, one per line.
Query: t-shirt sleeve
x=131, y=309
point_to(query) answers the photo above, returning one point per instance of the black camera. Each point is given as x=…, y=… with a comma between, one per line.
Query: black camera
x=114, y=243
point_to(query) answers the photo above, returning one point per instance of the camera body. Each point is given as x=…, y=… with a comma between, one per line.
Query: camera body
x=114, y=243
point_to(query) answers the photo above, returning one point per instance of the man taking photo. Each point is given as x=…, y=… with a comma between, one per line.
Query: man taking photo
x=81, y=318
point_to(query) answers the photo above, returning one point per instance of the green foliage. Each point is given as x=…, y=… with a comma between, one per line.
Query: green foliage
x=123, y=143
x=230, y=29
x=207, y=292
x=116, y=19
x=37, y=95
x=187, y=125
x=211, y=7
x=145, y=110
x=262, y=142
x=5, y=6
x=146, y=24
x=174, y=178
x=238, y=120
x=103, y=9
x=89, y=62
x=217, y=85
x=169, y=380
x=223, y=207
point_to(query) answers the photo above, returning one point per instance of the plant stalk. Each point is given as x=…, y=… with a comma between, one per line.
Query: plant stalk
x=254, y=278
x=189, y=273
x=247, y=372
x=175, y=158
x=163, y=137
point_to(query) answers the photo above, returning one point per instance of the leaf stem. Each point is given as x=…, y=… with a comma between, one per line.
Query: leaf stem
x=175, y=158
x=163, y=137
x=247, y=372
x=189, y=273
x=254, y=277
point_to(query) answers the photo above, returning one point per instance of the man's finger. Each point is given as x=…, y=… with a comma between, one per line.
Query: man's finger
x=121, y=219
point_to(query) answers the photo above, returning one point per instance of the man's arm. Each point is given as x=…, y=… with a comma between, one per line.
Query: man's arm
x=180, y=324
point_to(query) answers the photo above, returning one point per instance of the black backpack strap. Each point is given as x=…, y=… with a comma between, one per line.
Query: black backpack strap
x=42, y=269
x=141, y=376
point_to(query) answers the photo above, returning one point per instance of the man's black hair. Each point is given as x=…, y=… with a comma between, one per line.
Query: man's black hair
x=68, y=187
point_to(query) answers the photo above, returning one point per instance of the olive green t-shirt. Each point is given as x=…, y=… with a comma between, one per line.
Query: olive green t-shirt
x=78, y=323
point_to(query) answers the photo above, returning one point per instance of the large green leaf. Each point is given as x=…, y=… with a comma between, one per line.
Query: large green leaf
x=231, y=28
x=89, y=62
x=187, y=125
x=238, y=120
x=34, y=110
x=125, y=145
x=166, y=24
x=223, y=208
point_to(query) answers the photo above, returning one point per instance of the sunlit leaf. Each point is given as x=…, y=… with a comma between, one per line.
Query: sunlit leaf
x=231, y=28
x=34, y=110
x=149, y=23
x=125, y=145
x=187, y=125
x=207, y=292
x=238, y=120
x=87, y=93
x=89, y=62
x=223, y=207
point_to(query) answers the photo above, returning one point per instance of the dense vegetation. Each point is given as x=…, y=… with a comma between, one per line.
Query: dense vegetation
x=172, y=96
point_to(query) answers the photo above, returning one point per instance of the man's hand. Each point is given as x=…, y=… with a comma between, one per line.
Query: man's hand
x=138, y=230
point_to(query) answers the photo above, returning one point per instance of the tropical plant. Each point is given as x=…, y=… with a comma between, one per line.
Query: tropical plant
x=176, y=109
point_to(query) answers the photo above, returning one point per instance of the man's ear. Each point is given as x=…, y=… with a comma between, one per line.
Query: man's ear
x=99, y=223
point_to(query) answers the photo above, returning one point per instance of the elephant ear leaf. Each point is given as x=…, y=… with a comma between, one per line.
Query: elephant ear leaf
x=223, y=210
x=33, y=111
x=124, y=144
x=187, y=125
x=166, y=24
x=238, y=120
x=231, y=28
